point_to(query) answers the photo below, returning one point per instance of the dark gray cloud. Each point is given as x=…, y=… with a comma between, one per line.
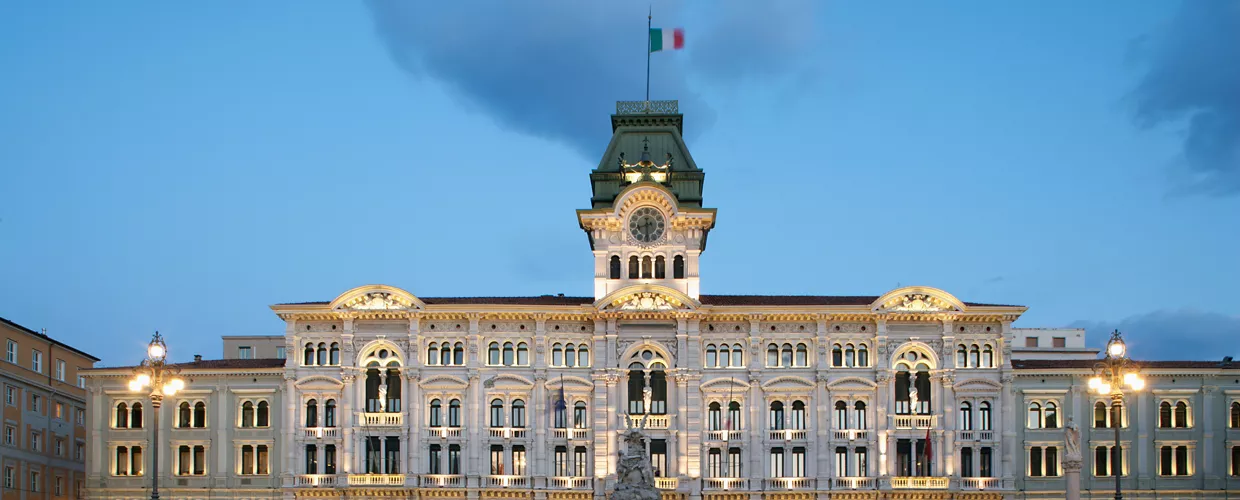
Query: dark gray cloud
x=1192, y=80
x=1171, y=335
x=554, y=68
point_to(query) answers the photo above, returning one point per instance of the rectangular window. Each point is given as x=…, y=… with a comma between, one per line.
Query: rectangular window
x=1031, y=341
x=200, y=460
x=966, y=462
x=247, y=460
x=714, y=463
x=497, y=460
x=863, y=462
x=454, y=459
x=281, y=352
x=36, y=441
x=60, y=486
x=10, y=435
x=518, y=460
x=79, y=452
x=36, y=403
x=1235, y=460
x=432, y=459
x=10, y=354
x=1035, y=461
x=58, y=410
x=734, y=462
x=244, y=352
x=391, y=455
x=1059, y=342
x=580, y=461
x=79, y=415
x=658, y=457
x=36, y=360
x=777, y=462
x=82, y=381
x=34, y=482
x=10, y=395
x=798, y=462
x=312, y=458
x=60, y=447
x=561, y=460
x=841, y=461
x=1108, y=460
x=60, y=370
x=8, y=477
x=329, y=459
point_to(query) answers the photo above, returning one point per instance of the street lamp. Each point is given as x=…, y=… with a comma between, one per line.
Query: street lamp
x=160, y=377
x=1111, y=375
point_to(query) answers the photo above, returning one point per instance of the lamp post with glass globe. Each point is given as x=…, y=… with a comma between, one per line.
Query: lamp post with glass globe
x=160, y=377
x=1111, y=375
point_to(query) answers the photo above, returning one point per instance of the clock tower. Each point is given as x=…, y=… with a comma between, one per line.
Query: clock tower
x=646, y=224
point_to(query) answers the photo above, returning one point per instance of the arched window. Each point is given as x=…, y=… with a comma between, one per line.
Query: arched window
x=322, y=351
x=1102, y=418
x=863, y=356
x=962, y=357
x=335, y=354
x=518, y=413
x=841, y=415
x=785, y=358
x=966, y=416
x=432, y=354
x=583, y=356
x=454, y=413
x=523, y=354
x=634, y=269
x=678, y=267
x=859, y=415
x=777, y=416
x=1235, y=415
x=445, y=354
x=614, y=268
x=658, y=391
x=508, y=354
x=983, y=414
x=772, y=355
x=264, y=415
x=183, y=414
x=434, y=417
x=122, y=416
x=714, y=417
x=200, y=414
x=308, y=358
x=1035, y=416
x=725, y=356
x=711, y=356
x=570, y=355
x=733, y=422
x=247, y=414
x=1164, y=414
x=493, y=354
x=135, y=416
x=312, y=413
x=837, y=355
x=850, y=355
x=975, y=356
x=798, y=416
x=580, y=418
x=647, y=267
x=557, y=354
x=738, y=355
x=1181, y=415
x=329, y=413
x=802, y=358
x=458, y=354
x=637, y=383
x=1050, y=416
x=988, y=356
x=660, y=268
x=497, y=413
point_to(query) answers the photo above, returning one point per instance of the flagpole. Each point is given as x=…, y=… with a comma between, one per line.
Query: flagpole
x=649, y=17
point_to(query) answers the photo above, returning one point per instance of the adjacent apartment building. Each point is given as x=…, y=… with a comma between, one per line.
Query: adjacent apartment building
x=43, y=445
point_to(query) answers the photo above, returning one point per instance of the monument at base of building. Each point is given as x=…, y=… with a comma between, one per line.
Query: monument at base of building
x=634, y=476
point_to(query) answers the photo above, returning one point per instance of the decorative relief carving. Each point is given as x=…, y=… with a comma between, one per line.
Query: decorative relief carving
x=647, y=301
x=979, y=329
x=790, y=328
x=671, y=346
x=917, y=302
x=851, y=328
x=378, y=301
x=445, y=326
x=717, y=328
x=506, y=326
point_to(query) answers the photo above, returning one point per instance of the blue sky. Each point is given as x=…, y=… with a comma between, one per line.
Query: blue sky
x=182, y=166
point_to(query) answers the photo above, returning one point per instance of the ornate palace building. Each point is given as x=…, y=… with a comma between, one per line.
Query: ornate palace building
x=911, y=394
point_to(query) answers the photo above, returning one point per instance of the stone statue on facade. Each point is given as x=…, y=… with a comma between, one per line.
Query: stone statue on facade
x=383, y=393
x=634, y=476
x=1072, y=438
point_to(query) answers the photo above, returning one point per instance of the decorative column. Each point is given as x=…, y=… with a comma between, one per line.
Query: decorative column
x=947, y=452
x=345, y=419
x=540, y=470
x=1072, y=460
x=604, y=438
x=885, y=438
x=413, y=425
x=290, y=421
x=1207, y=467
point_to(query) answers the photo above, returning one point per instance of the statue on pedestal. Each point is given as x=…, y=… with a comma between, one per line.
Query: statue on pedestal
x=1072, y=440
x=634, y=476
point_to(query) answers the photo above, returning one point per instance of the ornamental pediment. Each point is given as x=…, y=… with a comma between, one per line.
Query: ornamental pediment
x=646, y=298
x=730, y=384
x=376, y=298
x=508, y=381
x=851, y=384
x=444, y=382
x=786, y=384
x=569, y=383
x=319, y=383
x=977, y=385
x=917, y=300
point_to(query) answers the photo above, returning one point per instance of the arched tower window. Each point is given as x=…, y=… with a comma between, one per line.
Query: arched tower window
x=678, y=267
x=445, y=354
x=637, y=384
x=432, y=354
x=647, y=268
x=322, y=351
x=1181, y=414
x=738, y=355
x=614, y=268
x=183, y=414
x=335, y=354
x=497, y=413
x=966, y=416
x=658, y=386
x=557, y=354
x=122, y=416
x=583, y=356
x=493, y=354
x=308, y=358
x=523, y=354
x=772, y=355
x=797, y=420
x=329, y=413
x=988, y=356
x=837, y=355
x=454, y=413
x=1235, y=415
x=983, y=413
x=634, y=268
x=802, y=358
x=433, y=419
x=962, y=357
x=975, y=356
x=660, y=267
x=570, y=355
x=863, y=356
x=850, y=355
x=508, y=354
x=458, y=354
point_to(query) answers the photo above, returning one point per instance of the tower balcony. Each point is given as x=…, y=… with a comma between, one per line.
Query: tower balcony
x=381, y=419
x=571, y=483
x=975, y=435
x=508, y=432
x=666, y=483
x=507, y=481
x=658, y=422
x=921, y=422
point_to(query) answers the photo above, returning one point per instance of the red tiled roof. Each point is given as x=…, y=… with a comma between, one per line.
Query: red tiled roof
x=1087, y=364
x=714, y=300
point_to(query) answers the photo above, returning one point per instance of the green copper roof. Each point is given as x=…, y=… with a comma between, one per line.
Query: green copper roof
x=647, y=131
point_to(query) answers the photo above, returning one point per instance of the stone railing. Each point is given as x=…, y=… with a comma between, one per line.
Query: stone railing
x=788, y=483
x=666, y=483
x=385, y=419
x=572, y=433
x=852, y=483
x=312, y=480
x=789, y=435
x=914, y=421
x=976, y=435
x=725, y=483
x=572, y=483
x=441, y=481
x=508, y=432
x=919, y=482
x=443, y=432
x=376, y=479
x=322, y=432
x=979, y=483
x=653, y=422
x=725, y=435
x=852, y=434
x=647, y=107
x=504, y=481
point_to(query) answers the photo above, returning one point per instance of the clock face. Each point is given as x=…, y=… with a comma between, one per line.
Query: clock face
x=646, y=224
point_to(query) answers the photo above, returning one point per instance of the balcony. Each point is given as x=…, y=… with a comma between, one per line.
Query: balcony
x=441, y=481
x=979, y=483
x=976, y=435
x=852, y=483
x=725, y=435
x=789, y=435
x=508, y=432
x=369, y=419
x=571, y=433
x=919, y=483
x=376, y=479
x=572, y=483
x=666, y=483
x=914, y=421
x=314, y=480
x=498, y=481
x=851, y=434
x=725, y=483
x=443, y=432
x=652, y=421
x=788, y=483
x=321, y=432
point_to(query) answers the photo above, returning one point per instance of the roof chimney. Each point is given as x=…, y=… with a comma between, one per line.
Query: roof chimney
x=197, y=358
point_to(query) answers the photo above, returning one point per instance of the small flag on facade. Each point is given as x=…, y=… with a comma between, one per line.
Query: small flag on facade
x=661, y=39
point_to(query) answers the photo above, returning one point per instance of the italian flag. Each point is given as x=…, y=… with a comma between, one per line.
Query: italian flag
x=661, y=39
